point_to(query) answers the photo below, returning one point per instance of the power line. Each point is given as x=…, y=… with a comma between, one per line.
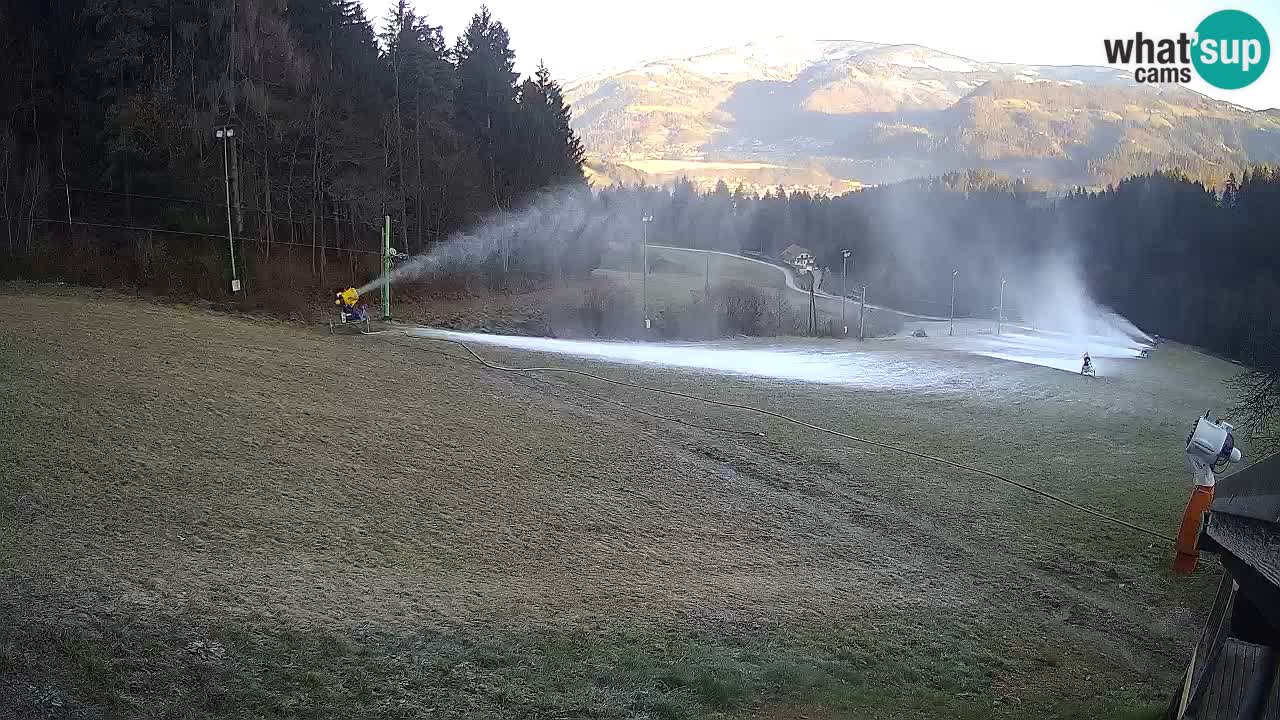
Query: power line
x=202, y=234
x=143, y=195
x=209, y=203
x=818, y=428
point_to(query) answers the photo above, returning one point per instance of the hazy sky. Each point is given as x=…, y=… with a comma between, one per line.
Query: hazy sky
x=578, y=37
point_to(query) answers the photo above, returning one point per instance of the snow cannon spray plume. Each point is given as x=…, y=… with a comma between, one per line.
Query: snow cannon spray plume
x=1056, y=299
x=564, y=230
x=533, y=238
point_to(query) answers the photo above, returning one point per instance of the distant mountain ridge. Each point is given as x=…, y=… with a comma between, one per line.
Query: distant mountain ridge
x=837, y=113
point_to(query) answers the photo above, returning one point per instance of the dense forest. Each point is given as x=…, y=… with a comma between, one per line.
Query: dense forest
x=112, y=168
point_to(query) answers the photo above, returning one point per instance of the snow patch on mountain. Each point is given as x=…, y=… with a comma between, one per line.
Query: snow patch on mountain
x=914, y=56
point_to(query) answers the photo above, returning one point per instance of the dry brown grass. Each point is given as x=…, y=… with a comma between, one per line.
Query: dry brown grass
x=218, y=478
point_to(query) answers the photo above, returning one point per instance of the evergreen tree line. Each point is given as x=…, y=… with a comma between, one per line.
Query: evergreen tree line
x=1176, y=258
x=111, y=107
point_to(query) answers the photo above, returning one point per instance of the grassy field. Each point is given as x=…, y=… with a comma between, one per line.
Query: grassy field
x=203, y=515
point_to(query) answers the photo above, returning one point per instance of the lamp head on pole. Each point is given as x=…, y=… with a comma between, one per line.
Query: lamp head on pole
x=647, y=218
x=845, y=253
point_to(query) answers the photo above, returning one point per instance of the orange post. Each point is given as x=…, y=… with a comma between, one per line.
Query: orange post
x=1188, y=545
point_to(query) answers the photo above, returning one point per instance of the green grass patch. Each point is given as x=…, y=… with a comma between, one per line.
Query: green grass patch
x=119, y=665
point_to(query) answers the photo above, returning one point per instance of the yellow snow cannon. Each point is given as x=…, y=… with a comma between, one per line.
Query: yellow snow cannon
x=348, y=311
x=348, y=297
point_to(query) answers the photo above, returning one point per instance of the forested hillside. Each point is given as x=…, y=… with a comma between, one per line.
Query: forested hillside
x=111, y=170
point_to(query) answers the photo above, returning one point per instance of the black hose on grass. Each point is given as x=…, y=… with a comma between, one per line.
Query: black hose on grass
x=786, y=418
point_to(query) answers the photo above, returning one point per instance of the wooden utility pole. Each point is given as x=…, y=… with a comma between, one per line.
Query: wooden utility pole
x=813, y=309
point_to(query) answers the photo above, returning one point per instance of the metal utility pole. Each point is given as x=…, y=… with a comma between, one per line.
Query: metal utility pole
x=386, y=267
x=1000, y=312
x=844, y=288
x=862, y=314
x=644, y=271
x=225, y=133
x=954, y=273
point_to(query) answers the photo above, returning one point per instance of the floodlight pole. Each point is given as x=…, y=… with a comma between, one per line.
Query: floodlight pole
x=1000, y=312
x=644, y=271
x=224, y=134
x=954, y=273
x=844, y=288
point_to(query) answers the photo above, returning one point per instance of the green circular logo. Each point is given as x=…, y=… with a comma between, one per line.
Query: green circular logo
x=1232, y=49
